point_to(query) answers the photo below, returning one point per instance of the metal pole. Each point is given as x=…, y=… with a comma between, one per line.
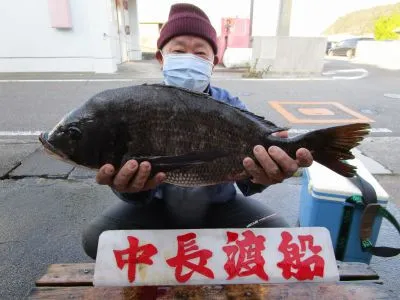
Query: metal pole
x=251, y=23
x=285, y=11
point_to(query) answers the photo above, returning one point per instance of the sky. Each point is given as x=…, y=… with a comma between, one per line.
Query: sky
x=309, y=17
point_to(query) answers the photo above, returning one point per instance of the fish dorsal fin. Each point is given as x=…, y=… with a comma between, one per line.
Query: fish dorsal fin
x=270, y=125
x=273, y=127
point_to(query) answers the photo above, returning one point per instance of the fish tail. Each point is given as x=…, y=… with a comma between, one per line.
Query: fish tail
x=330, y=146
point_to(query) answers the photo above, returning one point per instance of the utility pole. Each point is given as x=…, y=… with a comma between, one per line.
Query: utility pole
x=251, y=23
x=285, y=11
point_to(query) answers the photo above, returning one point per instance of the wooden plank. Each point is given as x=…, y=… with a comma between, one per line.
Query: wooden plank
x=298, y=291
x=82, y=274
x=68, y=275
x=350, y=271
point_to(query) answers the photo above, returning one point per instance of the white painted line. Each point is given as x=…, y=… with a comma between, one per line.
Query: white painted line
x=364, y=73
x=373, y=130
x=20, y=133
x=380, y=130
x=394, y=96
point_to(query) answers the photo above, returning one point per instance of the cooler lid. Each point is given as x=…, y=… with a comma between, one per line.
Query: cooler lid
x=324, y=180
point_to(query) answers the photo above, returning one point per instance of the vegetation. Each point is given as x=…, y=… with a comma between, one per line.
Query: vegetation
x=362, y=22
x=252, y=72
x=385, y=27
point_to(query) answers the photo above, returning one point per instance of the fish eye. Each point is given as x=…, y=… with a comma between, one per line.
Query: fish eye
x=74, y=133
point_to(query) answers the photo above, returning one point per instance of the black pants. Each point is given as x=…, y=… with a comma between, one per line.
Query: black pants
x=241, y=212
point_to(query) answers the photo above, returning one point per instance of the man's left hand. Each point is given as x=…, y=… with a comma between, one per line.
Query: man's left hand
x=275, y=165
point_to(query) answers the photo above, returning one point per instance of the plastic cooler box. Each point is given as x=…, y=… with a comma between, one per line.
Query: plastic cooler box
x=322, y=200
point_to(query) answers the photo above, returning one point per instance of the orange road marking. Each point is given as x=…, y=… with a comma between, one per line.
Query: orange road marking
x=279, y=107
x=316, y=111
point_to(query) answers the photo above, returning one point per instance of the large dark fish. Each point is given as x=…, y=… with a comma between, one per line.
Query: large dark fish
x=195, y=139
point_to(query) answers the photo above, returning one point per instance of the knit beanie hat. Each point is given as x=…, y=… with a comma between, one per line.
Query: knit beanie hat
x=187, y=19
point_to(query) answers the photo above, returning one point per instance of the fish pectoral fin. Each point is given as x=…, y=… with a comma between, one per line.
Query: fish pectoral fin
x=174, y=162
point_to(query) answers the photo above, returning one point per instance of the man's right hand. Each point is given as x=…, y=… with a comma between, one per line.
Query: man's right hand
x=131, y=178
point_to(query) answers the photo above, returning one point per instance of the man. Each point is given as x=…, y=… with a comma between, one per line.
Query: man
x=187, y=54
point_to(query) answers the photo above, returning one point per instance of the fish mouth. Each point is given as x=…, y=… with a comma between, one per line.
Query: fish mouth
x=49, y=147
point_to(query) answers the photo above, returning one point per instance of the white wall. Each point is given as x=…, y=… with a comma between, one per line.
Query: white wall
x=30, y=44
x=384, y=54
x=291, y=55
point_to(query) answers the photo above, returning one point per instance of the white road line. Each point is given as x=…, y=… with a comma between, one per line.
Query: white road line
x=393, y=96
x=20, y=133
x=373, y=130
x=364, y=73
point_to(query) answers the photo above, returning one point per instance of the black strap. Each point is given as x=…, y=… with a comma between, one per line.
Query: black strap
x=368, y=202
x=367, y=191
x=344, y=232
x=371, y=210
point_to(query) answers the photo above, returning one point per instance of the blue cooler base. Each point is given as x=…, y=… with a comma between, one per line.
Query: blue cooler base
x=316, y=211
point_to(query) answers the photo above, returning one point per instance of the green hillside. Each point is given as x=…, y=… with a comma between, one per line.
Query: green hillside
x=362, y=21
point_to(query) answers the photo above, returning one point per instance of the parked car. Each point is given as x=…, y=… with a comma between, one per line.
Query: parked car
x=347, y=47
x=329, y=46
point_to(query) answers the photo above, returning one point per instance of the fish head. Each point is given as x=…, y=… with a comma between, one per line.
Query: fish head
x=69, y=139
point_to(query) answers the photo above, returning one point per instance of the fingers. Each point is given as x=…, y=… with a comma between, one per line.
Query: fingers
x=124, y=176
x=286, y=165
x=275, y=165
x=258, y=175
x=304, y=158
x=141, y=177
x=154, y=182
x=269, y=164
x=131, y=178
x=281, y=134
x=105, y=175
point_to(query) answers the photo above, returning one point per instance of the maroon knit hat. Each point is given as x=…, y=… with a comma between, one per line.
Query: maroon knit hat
x=187, y=19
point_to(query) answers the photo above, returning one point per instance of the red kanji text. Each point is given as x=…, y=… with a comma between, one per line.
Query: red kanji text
x=244, y=256
x=295, y=263
x=134, y=255
x=188, y=251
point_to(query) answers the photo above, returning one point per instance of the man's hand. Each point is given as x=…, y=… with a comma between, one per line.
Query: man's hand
x=276, y=165
x=131, y=178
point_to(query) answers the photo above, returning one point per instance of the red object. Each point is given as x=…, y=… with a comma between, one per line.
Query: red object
x=187, y=251
x=134, y=255
x=235, y=33
x=244, y=256
x=295, y=263
x=187, y=19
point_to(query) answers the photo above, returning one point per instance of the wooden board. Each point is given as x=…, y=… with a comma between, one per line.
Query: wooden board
x=68, y=275
x=298, y=291
x=82, y=274
x=351, y=271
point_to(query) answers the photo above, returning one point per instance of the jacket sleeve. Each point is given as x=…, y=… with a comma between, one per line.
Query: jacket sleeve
x=139, y=199
x=249, y=188
x=224, y=96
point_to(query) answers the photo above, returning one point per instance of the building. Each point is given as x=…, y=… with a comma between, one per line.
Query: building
x=68, y=35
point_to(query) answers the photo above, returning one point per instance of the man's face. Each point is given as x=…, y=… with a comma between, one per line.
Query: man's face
x=188, y=44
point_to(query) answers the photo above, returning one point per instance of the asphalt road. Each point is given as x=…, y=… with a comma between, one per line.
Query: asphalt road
x=41, y=219
x=36, y=106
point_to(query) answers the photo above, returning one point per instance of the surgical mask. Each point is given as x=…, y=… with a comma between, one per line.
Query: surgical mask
x=187, y=71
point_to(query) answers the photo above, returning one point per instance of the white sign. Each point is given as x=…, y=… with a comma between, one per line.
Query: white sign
x=215, y=256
